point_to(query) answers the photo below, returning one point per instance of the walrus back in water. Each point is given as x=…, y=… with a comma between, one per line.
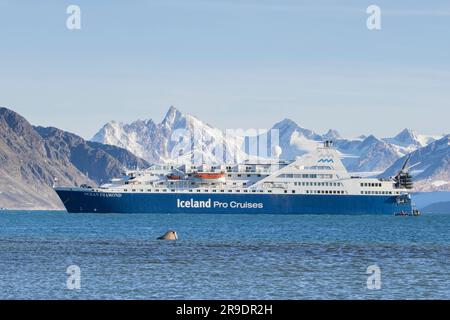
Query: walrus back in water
x=169, y=235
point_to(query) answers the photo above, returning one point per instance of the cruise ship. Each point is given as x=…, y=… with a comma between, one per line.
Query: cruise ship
x=315, y=183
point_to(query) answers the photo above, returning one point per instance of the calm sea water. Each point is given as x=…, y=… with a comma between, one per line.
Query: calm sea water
x=223, y=256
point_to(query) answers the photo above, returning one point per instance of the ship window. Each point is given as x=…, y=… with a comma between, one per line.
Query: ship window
x=249, y=175
x=198, y=190
x=222, y=190
x=134, y=190
x=238, y=190
x=190, y=190
x=285, y=191
x=229, y=175
x=230, y=190
x=259, y=175
x=293, y=191
x=239, y=175
x=245, y=190
x=214, y=190
x=270, y=191
x=164, y=190
x=307, y=191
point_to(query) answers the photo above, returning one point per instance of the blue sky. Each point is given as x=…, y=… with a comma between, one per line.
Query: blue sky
x=233, y=64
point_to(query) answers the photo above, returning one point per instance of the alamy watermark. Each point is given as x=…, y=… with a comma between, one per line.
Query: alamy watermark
x=374, y=278
x=73, y=281
x=203, y=145
x=374, y=20
x=73, y=21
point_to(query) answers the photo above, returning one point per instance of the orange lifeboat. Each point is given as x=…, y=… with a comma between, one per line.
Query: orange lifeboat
x=210, y=175
x=173, y=177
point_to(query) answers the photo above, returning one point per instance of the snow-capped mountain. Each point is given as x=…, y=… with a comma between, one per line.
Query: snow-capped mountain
x=409, y=140
x=365, y=153
x=430, y=166
x=369, y=154
x=180, y=136
x=295, y=140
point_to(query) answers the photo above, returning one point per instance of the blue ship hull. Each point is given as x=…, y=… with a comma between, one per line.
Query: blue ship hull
x=102, y=202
